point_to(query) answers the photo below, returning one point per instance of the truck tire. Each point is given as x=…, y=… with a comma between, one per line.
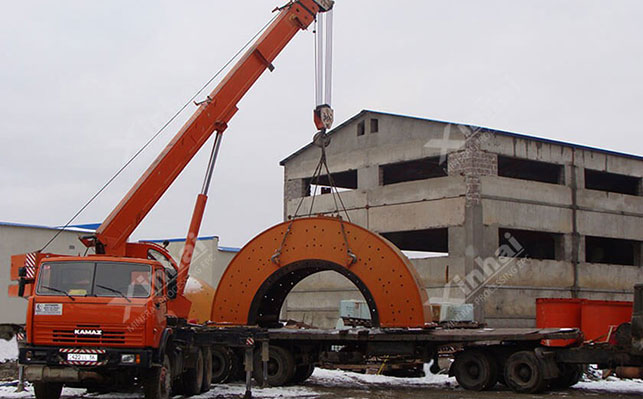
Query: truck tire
x=193, y=377
x=221, y=364
x=207, y=370
x=524, y=373
x=570, y=374
x=475, y=370
x=302, y=373
x=47, y=390
x=157, y=383
x=281, y=367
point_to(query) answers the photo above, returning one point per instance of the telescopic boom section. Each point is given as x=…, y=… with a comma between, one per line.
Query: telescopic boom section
x=212, y=115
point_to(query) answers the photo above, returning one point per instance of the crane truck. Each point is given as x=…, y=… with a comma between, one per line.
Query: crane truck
x=121, y=316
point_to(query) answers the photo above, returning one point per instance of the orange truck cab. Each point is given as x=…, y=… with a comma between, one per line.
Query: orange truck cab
x=116, y=301
x=107, y=313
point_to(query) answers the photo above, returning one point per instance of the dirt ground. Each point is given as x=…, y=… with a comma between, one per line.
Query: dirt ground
x=338, y=385
x=458, y=393
x=8, y=371
x=379, y=393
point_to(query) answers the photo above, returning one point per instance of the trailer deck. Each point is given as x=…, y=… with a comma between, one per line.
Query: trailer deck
x=436, y=335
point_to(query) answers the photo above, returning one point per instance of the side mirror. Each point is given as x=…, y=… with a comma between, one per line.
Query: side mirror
x=22, y=273
x=21, y=287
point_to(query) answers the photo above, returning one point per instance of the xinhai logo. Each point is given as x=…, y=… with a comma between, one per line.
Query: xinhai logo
x=88, y=332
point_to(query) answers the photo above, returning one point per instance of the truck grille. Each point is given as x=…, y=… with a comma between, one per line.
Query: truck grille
x=64, y=335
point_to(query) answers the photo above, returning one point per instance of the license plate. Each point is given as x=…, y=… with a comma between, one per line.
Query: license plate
x=82, y=357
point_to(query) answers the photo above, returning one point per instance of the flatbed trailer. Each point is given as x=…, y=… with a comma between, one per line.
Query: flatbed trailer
x=516, y=357
x=483, y=357
x=285, y=356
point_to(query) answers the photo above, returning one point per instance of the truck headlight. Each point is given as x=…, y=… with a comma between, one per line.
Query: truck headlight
x=128, y=359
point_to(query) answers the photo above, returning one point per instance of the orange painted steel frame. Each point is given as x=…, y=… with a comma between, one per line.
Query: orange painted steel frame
x=254, y=286
x=212, y=115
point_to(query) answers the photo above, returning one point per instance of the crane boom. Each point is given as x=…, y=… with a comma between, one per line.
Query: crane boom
x=212, y=115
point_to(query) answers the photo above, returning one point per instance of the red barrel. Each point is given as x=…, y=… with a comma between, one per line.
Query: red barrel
x=558, y=313
x=598, y=316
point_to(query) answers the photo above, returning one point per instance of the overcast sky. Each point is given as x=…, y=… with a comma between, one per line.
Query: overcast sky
x=83, y=84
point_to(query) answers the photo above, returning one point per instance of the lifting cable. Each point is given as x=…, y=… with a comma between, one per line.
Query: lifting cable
x=323, y=116
x=161, y=130
x=323, y=111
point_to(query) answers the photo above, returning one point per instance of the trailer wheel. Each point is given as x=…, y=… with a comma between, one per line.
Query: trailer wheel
x=157, y=383
x=570, y=374
x=524, y=373
x=193, y=378
x=302, y=373
x=207, y=370
x=475, y=370
x=281, y=367
x=221, y=364
x=47, y=390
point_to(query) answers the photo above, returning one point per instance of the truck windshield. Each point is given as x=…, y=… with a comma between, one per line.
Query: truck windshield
x=107, y=279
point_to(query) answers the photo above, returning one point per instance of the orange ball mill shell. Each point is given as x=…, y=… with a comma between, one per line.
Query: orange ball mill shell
x=254, y=286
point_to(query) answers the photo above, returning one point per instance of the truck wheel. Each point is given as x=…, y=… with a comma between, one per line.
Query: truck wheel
x=193, y=378
x=524, y=373
x=157, y=383
x=221, y=364
x=281, y=367
x=302, y=373
x=570, y=374
x=475, y=370
x=207, y=370
x=47, y=390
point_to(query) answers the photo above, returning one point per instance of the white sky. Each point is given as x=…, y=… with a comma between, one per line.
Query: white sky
x=84, y=84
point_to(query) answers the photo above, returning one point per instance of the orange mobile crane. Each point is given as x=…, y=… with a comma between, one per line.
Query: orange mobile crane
x=119, y=316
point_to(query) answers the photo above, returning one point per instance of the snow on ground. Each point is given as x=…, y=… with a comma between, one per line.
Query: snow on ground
x=324, y=382
x=10, y=392
x=281, y=392
x=335, y=378
x=8, y=350
x=612, y=384
x=229, y=390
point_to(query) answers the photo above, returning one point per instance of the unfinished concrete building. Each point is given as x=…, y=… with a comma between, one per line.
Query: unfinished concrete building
x=492, y=218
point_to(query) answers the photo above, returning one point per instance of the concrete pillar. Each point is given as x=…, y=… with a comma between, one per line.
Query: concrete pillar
x=474, y=233
x=580, y=176
x=567, y=248
x=581, y=249
x=491, y=240
x=568, y=170
x=575, y=182
x=368, y=178
x=456, y=241
x=472, y=163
